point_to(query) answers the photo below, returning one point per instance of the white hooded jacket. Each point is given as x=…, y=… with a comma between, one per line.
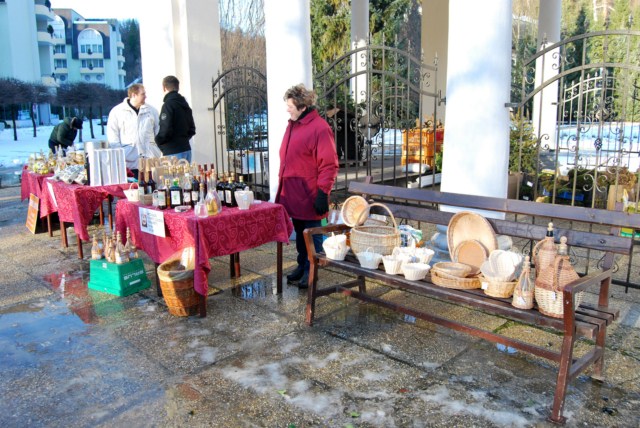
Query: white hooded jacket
x=134, y=132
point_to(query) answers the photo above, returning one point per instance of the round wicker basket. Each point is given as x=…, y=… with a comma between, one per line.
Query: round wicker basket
x=449, y=281
x=499, y=288
x=353, y=209
x=465, y=226
x=177, y=289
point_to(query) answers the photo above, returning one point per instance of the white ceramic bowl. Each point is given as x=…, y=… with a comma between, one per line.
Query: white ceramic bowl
x=336, y=253
x=369, y=259
x=424, y=255
x=415, y=271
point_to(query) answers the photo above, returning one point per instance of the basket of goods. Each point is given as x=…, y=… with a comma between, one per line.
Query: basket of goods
x=380, y=239
x=369, y=259
x=551, y=282
x=544, y=252
x=499, y=273
x=176, y=282
x=335, y=247
x=132, y=194
x=523, y=291
x=415, y=271
x=454, y=275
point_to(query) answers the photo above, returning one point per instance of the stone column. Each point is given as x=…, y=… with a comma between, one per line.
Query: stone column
x=545, y=103
x=476, y=140
x=359, y=38
x=288, y=40
x=182, y=38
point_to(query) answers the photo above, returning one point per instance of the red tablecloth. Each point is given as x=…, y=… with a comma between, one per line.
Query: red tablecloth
x=75, y=203
x=231, y=231
x=31, y=182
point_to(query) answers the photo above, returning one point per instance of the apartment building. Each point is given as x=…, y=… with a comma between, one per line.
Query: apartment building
x=56, y=46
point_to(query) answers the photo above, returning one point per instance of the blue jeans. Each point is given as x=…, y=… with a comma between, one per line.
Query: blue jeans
x=184, y=155
x=299, y=226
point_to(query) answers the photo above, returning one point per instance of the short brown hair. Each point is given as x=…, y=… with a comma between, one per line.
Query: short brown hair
x=301, y=96
x=134, y=89
x=171, y=83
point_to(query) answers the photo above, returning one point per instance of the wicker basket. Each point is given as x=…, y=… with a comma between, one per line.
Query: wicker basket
x=499, y=288
x=353, y=209
x=177, y=289
x=448, y=281
x=551, y=282
x=380, y=239
x=465, y=226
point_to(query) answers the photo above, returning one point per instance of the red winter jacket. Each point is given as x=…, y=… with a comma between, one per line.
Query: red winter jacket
x=308, y=161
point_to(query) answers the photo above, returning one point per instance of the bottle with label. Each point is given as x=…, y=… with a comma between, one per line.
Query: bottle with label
x=151, y=184
x=175, y=192
x=141, y=185
x=220, y=189
x=195, y=187
x=161, y=196
x=186, y=190
x=201, y=207
x=229, y=193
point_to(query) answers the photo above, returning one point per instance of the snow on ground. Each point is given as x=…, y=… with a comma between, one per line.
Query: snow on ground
x=14, y=154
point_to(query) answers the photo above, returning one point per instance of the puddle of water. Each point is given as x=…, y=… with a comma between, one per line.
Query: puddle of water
x=254, y=290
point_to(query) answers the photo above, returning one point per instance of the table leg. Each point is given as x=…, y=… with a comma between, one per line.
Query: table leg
x=236, y=264
x=101, y=212
x=279, y=268
x=110, y=212
x=80, y=253
x=158, y=288
x=232, y=270
x=63, y=234
x=49, y=225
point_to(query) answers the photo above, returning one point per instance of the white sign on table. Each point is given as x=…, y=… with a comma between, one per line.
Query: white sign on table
x=152, y=221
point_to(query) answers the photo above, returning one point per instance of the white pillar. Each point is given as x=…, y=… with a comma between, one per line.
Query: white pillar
x=476, y=140
x=288, y=43
x=545, y=103
x=359, y=38
x=434, y=41
x=182, y=38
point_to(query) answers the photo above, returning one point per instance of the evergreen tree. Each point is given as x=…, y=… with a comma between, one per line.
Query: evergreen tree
x=130, y=33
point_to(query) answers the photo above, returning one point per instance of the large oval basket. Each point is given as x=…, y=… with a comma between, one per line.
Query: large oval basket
x=379, y=239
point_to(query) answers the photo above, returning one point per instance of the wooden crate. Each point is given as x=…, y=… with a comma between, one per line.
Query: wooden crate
x=424, y=136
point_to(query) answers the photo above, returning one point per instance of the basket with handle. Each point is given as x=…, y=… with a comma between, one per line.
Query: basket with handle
x=133, y=195
x=380, y=239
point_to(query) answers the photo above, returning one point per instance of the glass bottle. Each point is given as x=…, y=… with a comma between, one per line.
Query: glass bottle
x=151, y=184
x=161, y=196
x=195, y=187
x=523, y=293
x=141, y=185
x=220, y=189
x=229, y=193
x=212, y=201
x=175, y=192
x=186, y=190
x=201, y=206
x=96, y=251
x=545, y=251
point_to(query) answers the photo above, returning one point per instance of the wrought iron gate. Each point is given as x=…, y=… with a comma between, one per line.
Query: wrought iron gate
x=592, y=155
x=375, y=98
x=240, y=120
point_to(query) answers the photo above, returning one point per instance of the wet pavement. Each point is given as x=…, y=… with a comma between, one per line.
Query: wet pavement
x=70, y=356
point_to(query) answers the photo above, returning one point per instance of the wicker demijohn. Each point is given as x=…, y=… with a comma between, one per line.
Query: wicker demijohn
x=551, y=282
x=523, y=292
x=379, y=239
x=177, y=289
x=545, y=251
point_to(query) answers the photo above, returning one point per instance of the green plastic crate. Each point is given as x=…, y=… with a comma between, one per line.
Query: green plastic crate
x=121, y=280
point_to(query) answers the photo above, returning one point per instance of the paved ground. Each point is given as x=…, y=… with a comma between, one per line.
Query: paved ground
x=70, y=356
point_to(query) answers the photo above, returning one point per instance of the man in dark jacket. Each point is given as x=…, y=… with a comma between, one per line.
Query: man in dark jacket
x=64, y=133
x=176, y=122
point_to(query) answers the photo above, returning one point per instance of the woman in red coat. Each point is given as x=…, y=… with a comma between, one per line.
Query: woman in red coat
x=308, y=170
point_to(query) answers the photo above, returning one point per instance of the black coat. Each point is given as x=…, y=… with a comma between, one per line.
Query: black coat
x=176, y=125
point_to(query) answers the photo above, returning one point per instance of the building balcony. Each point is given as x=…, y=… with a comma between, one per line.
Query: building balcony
x=94, y=70
x=49, y=81
x=59, y=56
x=122, y=73
x=58, y=40
x=120, y=45
x=120, y=58
x=61, y=70
x=43, y=13
x=92, y=55
x=45, y=39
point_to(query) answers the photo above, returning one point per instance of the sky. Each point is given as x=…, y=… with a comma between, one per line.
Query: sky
x=119, y=9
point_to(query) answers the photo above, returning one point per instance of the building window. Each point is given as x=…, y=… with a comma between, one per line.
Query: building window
x=62, y=77
x=60, y=63
x=60, y=49
x=90, y=41
x=87, y=77
x=99, y=77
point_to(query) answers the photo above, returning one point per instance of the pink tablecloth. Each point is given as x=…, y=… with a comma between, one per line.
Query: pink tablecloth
x=31, y=182
x=229, y=232
x=75, y=203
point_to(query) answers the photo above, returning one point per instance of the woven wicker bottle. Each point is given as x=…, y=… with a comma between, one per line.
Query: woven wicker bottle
x=523, y=293
x=552, y=281
x=96, y=251
x=545, y=251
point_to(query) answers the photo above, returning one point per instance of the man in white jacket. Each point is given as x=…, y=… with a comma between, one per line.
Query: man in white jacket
x=133, y=126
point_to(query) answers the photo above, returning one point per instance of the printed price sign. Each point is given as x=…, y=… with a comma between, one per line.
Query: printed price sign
x=152, y=221
x=32, y=213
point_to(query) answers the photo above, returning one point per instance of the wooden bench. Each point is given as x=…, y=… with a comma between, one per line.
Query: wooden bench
x=419, y=205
